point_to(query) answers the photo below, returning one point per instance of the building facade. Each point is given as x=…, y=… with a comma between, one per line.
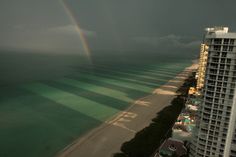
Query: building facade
x=202, y=66
x=215, y=133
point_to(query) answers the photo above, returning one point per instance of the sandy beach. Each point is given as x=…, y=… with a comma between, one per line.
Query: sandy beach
x=107, y=139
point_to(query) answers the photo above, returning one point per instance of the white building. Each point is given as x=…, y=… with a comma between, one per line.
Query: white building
x=215, y=133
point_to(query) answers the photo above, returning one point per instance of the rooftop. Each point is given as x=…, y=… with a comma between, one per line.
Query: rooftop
x=219, y=32
x=172, y=146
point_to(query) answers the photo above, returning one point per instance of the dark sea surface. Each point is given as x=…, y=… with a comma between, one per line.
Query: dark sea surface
x=49, y=100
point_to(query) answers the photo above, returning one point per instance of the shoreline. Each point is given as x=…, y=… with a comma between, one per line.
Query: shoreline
x=123, y=126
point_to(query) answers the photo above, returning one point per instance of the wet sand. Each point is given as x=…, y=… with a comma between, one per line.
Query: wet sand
x=107, y=139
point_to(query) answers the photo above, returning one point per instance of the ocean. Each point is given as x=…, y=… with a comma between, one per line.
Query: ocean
x=49, y=100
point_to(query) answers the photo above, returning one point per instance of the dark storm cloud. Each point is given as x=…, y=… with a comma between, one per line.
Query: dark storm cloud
x=151, y=25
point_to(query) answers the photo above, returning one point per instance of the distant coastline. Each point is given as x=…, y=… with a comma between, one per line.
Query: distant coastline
x=114, y=126
x=62, y=102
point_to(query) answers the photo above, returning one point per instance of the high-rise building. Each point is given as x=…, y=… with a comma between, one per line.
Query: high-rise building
x=202, y=66
x=215, y=132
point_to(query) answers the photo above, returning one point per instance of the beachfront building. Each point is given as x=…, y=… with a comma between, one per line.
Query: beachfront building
x=215, y=132
x=202, y=66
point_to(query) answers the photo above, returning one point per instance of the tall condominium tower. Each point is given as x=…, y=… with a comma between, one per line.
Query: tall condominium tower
x=215, y=133
x=202, y=66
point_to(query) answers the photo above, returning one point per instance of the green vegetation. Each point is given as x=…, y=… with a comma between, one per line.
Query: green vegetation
x=146, y=142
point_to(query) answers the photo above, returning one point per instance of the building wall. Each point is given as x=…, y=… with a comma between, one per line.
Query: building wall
x=215, y=129
x=202, y=66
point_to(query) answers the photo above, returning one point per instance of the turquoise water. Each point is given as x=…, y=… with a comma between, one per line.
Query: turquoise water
x=46, y=104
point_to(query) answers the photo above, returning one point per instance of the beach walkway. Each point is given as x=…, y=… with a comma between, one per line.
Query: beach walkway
x=107, y=139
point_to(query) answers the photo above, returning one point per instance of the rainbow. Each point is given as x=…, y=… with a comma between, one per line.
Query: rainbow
x=82, y=36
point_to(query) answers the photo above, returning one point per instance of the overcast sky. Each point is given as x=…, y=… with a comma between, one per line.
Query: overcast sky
x=119, y=25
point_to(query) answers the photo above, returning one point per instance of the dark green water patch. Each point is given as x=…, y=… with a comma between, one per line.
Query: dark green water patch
x=34, y=126
x=104, y=96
